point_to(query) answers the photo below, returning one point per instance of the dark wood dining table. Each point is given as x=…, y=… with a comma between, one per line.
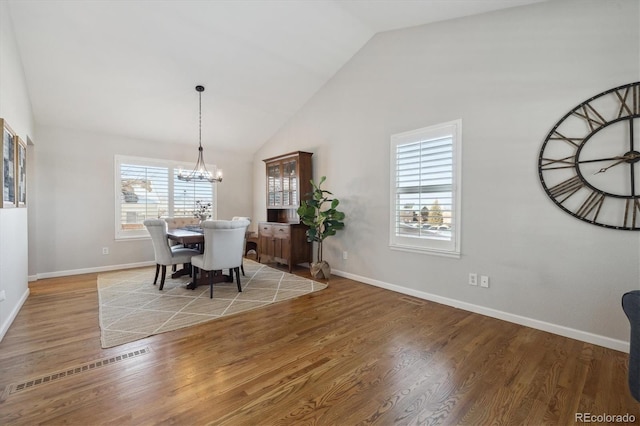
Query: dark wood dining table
x=186, y=236
x=195, y=237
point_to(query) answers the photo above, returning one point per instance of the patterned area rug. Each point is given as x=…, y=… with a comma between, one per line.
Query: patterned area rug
x=132, y=308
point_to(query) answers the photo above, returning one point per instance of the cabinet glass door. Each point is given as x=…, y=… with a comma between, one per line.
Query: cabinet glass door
x=274, y=185
x=290, y=183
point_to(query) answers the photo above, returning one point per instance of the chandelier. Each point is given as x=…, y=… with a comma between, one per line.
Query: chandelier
x=200, y=171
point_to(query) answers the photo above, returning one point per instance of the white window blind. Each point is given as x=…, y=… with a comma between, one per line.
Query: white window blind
x=424, y=188
x=187, y=193
x=149, y=188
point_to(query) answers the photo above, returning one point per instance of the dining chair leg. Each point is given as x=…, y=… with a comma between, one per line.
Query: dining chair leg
x=237, y=270
x=194, y=278
x=211, y=284
x=155, y=279
x=164, y=274
x=242, y=268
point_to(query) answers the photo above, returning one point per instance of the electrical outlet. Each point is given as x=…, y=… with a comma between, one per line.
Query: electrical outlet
x=105, y=250
x=473, y=278
x=3, y=295
x=484, y=281
x=345, y=255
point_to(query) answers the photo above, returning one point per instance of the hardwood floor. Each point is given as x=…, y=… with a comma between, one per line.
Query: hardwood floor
x=350, y=354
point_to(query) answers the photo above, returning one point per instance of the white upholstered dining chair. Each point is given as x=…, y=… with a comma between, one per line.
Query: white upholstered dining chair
x=164, y=253
x=223, y=249
x=244, y=244
x=181, y=222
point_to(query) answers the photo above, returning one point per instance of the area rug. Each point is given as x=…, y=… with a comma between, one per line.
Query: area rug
x=132, y=308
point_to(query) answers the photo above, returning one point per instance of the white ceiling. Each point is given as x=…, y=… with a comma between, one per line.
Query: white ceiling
x=130, y=67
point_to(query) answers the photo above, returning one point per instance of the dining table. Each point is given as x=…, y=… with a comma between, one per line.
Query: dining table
x=186, y=236
x=194, y=236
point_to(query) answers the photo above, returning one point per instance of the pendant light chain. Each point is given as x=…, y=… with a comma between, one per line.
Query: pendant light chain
x=200, y=171
x=200, y=119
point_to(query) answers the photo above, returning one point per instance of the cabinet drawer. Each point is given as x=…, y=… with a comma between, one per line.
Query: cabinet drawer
x=281, y=231
x=265, y=230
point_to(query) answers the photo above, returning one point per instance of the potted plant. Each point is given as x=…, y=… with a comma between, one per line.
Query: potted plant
x=321, y=223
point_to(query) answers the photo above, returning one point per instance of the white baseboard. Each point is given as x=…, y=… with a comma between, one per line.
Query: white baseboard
x=92, y=270
x=12, y=316
x=607, y=342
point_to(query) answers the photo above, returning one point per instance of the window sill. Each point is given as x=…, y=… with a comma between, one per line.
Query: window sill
x=428, y=251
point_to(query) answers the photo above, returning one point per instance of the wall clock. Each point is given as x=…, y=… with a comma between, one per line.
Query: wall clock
x=589, y=163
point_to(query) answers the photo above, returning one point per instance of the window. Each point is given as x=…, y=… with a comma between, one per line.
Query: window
x=425, y=189
x=148, y=188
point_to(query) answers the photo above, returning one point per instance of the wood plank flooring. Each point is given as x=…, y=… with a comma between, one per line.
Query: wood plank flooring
x=352, y=354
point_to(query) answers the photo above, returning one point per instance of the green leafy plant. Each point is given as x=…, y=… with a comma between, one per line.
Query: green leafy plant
x=321, y=223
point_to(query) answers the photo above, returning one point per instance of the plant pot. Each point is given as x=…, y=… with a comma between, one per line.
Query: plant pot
x=321, y=270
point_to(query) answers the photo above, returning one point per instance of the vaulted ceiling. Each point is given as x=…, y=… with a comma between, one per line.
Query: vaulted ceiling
x=130, y=67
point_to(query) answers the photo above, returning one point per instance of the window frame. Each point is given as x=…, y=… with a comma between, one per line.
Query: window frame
x=424, y=244
x=172, y=170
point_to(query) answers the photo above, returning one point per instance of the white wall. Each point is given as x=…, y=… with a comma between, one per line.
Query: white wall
x=75, y=196
x=510, y=76
x=16, y=109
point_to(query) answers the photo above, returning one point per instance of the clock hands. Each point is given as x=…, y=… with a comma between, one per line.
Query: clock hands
x=623, y=158
x=630, y=157
x=604, y=169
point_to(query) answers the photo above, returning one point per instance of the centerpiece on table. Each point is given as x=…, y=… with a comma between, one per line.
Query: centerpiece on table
x=202, y=211
x=321, y=223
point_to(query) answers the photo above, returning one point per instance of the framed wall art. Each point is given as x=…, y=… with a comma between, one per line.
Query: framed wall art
x=21, y=172
x=8, y=176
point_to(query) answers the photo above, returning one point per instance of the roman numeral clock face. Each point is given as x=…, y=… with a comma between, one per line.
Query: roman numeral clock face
x=589, y=163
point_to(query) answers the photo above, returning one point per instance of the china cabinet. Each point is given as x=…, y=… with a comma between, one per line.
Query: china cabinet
x=282, y=238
